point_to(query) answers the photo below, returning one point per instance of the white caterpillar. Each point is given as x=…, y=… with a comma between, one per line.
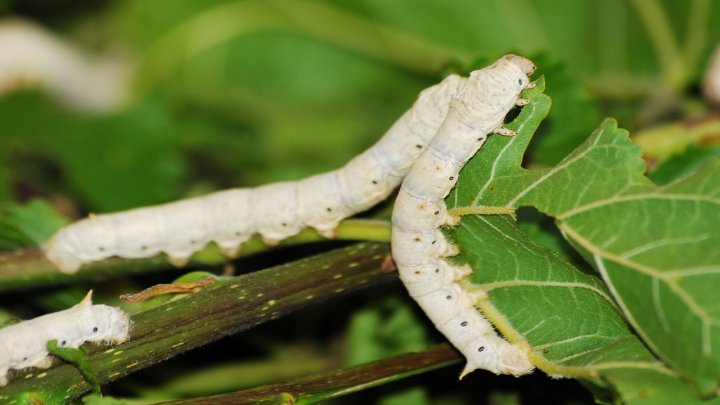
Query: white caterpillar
x=24, y=344
x=34, y=57
x=418, y=245
x=275, y=211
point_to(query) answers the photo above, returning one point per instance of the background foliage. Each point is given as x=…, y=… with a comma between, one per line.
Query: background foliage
x=240, y=93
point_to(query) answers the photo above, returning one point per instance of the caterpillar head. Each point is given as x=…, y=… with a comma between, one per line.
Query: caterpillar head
x=102, y=323
x=490, y=93
x=525, y=65
x=514, y=360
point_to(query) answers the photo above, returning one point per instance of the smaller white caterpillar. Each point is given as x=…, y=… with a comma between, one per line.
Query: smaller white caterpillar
x=34, y=57
x=418, y=245
x=24, y=344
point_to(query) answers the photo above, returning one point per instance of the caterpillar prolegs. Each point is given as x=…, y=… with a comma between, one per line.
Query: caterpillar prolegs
x=24, y=344
x=275, y=211
x=419, y=247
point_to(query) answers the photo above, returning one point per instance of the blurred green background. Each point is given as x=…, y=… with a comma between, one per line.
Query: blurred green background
x=240, y=93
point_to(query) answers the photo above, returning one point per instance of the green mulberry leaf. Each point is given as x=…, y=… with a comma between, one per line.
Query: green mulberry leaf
x=655, y=249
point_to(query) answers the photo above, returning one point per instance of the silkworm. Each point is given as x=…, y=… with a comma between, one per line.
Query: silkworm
x=419, y=246
x=24, y=344
x=275, y=211
x=34, y=57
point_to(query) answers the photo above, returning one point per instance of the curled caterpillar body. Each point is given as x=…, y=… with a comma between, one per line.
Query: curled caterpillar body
x=419, y=247
x=24, y=344
x=275, y=211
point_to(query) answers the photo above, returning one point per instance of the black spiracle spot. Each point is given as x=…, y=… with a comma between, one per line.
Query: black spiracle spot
x=95, y=329
x=481, y=349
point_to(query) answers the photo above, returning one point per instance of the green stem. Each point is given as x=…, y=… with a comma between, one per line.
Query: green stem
x=28, y=268
x=221, y=309
x=697, y=31
x=658, y=28
x=337, y=383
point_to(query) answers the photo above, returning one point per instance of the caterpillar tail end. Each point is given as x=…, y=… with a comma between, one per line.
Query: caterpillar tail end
x=469, y=368
x=514, y=370
x=61, y=255
x=514, y=360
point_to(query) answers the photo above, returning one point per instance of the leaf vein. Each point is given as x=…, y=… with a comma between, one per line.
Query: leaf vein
x=633, y=197
x=560, y=284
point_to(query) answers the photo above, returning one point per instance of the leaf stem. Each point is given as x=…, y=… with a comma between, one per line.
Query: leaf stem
x=658, y=28
x=461, y=211
x=697, y=31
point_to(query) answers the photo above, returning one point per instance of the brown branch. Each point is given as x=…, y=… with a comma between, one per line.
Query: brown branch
x=27, y=268
x=220, y=309
x=336, y=383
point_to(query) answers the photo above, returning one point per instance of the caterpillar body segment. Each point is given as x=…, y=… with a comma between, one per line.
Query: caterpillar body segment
x=419, y=247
